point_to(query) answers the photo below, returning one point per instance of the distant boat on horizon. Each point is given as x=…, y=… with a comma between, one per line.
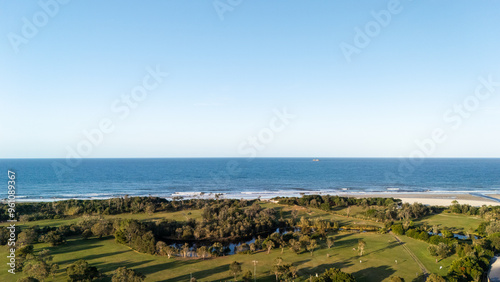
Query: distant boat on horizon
x=315, y=160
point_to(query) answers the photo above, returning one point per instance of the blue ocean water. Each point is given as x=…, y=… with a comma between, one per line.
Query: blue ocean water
x=47, y=179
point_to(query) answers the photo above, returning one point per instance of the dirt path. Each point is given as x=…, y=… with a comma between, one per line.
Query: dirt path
x=412, y=255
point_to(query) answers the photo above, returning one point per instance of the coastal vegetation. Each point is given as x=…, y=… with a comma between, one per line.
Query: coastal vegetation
x=311, y=238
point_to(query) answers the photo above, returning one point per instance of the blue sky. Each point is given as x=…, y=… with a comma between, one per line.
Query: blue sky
x=227, y=77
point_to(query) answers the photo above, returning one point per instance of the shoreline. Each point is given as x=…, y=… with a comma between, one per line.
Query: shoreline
x=442, y=199
x=433, y=198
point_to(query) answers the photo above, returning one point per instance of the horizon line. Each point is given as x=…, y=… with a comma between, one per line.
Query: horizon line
x=51, y=158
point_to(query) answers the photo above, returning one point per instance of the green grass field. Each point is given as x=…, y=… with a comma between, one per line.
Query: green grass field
x=378, y=263
x=313, y=213
x=419, y=248
x=455, y=222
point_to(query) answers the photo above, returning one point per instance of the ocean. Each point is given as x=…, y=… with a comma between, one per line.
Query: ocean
x=55, y=179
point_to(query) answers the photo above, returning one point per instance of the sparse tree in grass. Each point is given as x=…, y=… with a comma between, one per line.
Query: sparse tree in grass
x=163, y=249
x=443, y=250
x=54, y=238
x=330, y=242
x=312, y=246
x=277, y=268
x=185, y=250
x=304, y=241
x=432, y=250
x=435, y=278
x=171, y=251
x=27, y=237
x=295, y=213
x=253, y=247
x=53, y=269
x=248, y=276
x=44, y=255
x=37, y=269
x=123, y=274
x=150, y=208
x=361, y=247
x=293, y=271
x=202, y=252
x=235, y=269
x=396, y=279
x=269, y=245
x=81, y=271
x=294, y=245
x=282, y=244
x=278, y=261
x=87, y=233
x=102, y=228
x=216, y=249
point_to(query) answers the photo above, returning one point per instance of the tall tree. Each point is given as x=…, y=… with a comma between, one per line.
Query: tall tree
x=361, y=247
x=235, y=269
x=81, y=271
x=312, y=246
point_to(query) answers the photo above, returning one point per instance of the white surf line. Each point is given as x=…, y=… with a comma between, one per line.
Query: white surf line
x=484, y=196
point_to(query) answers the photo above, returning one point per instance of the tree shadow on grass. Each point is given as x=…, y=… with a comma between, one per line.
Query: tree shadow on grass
x=104, y=267
x=91, y=257
x=69, y=248
x=378, y=273
x=203, y=274
x=389, y=246
x=340, y=236
x=306, y=272
x=109, y=268
x=173, y=264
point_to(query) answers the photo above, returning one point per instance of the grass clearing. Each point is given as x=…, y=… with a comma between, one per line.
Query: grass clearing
x=455, y=222
x=419, y=248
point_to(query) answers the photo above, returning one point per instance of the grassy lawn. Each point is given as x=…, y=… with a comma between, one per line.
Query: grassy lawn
x=312, y=213
x=455, y=222
x=377, y=263
x=419, y=248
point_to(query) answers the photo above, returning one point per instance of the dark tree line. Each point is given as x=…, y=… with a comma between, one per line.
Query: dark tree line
x=60, y=209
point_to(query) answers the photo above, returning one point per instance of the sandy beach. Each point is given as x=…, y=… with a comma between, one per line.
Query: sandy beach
x=436, y=199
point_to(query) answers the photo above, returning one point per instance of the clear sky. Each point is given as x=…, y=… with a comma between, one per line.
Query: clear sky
x=230, y=70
